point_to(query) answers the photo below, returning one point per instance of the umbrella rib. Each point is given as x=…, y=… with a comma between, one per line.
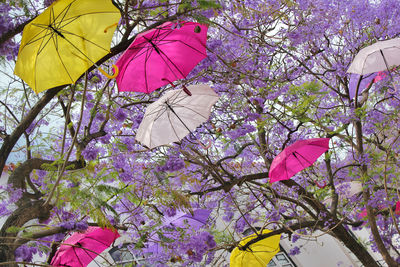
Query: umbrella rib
x=97, y=240
x=172, y=125
x=72, y=19
x=62, y=12
x=194, y=111
x=169, y=60
x=180, y=41
x=87, y=253
x=147, y=56
x=294, y=154
x=84, y=39
x=35, y=70
x=62, y=62
x=42, y=46
x=286, y=168
x=91, y=61
x=73, y=249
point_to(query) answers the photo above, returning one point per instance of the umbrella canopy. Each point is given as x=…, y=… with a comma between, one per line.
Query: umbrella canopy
x=161, y=55
x=297, y=157
x=60, y=44
x=86, y=247
x=377, y=57
x=188, y=220
x=258, y=254
x=360, y=81
x=175, y=115
x=181, y=220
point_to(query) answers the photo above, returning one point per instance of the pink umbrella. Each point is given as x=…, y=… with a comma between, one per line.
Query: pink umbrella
x=297, y=157
x=161, y=56
x=82, y=248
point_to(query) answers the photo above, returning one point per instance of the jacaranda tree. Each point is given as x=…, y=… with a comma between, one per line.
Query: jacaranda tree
x=279, y=67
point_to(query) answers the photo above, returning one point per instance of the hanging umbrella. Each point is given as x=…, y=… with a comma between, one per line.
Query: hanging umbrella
x=188, y=220
x=161, y=56
x=82, y=248
x=379, y=56
x=258, y=254
x=182, y=220
x=360, y=82
x=297, y=157
x=60, y=44
x=175, y=115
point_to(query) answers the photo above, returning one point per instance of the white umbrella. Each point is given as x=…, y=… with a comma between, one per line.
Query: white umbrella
x=377, y=57
x=175, y=115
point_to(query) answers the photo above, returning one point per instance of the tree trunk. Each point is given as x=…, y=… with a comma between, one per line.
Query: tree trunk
x=354, y=246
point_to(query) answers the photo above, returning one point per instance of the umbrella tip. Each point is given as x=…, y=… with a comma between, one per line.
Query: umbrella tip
x=186, y=90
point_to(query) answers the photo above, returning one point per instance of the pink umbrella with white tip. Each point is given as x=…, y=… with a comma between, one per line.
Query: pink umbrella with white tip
x=162, y=55
x=82, y=248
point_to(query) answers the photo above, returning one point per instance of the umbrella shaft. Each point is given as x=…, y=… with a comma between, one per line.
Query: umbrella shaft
x=387, y=66
x=173, y=111
x=152, y=44
x=56, y=31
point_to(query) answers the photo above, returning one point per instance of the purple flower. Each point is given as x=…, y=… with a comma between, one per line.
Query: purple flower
x=172, y=164
x=294, y=251
x=90, y=153
x=120, y=115
x=228, y=216
x=25, y=253
x=68, y=225
x=81, y=226
x=170, y=211
x=47, y=3
x=208, y=239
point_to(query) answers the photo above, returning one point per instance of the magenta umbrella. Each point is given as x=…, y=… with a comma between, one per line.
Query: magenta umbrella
x=82, y=248
x=181, y=220
x=161, y=56
x=297, y=157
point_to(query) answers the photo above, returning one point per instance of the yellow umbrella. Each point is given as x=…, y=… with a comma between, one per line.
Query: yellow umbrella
x=60, y=44
x=258, y=254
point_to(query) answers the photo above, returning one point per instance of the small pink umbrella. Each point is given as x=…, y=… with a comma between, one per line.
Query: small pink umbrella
x=161, y=56
x=297, y=157
x=82, y=248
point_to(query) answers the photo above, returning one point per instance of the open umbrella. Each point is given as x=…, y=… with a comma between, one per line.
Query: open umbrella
x=296, y=157
x=358, y=83
x=175, y=115
x=60, y=44
x=161, y=56
x=181, y=220
x=379, y=56
x=82, y=248
x=257, y=254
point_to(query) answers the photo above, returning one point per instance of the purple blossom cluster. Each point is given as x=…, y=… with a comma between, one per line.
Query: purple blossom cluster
x=91, y=152
x=9, y=49
x=74, y=225
x=47, y=3
x=25, y=253
x=172, y=164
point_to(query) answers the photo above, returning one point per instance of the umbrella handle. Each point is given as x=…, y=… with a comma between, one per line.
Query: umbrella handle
x=209, y=143
x=183, y=86
x=319, y=185
x=116, y=71
x=108, y=27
